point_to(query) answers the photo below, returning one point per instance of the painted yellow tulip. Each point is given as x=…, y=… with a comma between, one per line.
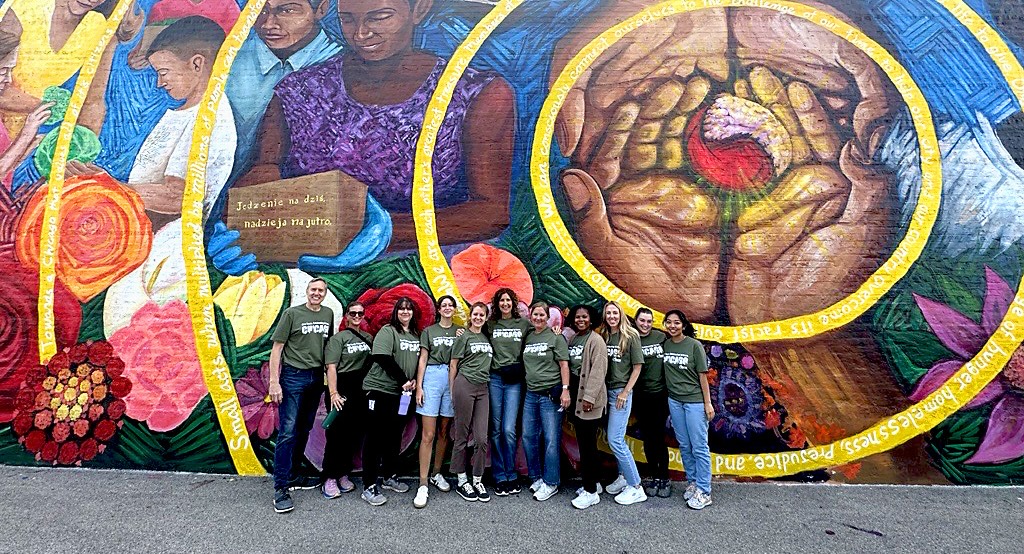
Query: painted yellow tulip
x=251, y=303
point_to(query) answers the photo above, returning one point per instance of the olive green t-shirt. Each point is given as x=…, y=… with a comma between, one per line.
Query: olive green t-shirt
x=652, y=376
x=683, y=363
x=438, y=342
x=620, y=366
x=541, y=355
x=347, y=350
x=507, y=340
x=304, y=333
x=404, y=348
x=576, y=352
x=474, y=353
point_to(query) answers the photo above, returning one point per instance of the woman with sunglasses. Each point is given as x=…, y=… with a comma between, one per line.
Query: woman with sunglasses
x=434, y=396
x=588, y=364
x=469, y=374
x=347, y=356
x=395, y=353
x=625, y=360
x=689, y=405
x=546, y=362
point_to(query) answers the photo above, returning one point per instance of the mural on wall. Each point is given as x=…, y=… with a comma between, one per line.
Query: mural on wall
x=828, y=188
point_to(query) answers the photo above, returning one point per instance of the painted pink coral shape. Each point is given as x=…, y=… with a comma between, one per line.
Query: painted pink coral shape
x=1004, y=437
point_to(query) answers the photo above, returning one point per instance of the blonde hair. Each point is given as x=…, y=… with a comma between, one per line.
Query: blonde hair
x=625, y=329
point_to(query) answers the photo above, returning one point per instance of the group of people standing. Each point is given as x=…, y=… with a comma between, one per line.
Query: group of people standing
x=473, y=383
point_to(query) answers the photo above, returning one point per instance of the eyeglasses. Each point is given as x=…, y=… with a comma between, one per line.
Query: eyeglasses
x=356, y=314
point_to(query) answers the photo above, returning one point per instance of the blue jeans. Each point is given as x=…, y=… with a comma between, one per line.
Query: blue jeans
x=504, y=417
x=617, y=422
x=301, y=390
x=691, y=428
x=541, y=415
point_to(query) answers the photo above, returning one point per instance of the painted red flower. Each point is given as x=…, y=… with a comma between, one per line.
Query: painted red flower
x=379, y=303
x=59, y=415
x=254, y=396
x=161, y=362
x=19, y=327
x=482, y=269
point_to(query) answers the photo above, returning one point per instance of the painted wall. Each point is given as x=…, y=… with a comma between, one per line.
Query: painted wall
x=829, y=189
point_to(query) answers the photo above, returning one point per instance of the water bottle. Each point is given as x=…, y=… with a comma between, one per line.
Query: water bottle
x=403, y=404
x=330, y=418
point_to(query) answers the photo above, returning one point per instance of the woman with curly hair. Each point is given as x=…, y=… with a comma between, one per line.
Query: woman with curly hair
x=505, y=329
x=588, y=364
x=625, y=360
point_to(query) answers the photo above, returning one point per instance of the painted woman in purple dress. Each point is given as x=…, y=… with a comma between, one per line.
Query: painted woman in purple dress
x=362, y=110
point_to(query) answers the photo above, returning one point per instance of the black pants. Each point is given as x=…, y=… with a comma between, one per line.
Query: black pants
x=345, y=435
x=383, y=437
x=586, y=438
x=651, y=410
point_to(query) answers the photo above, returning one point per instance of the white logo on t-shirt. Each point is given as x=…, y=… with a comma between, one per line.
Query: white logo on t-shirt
x=316, y=327
x=539, y=348
x=353, y=347
x=443, y=341
x=653, y=350
x=406, y=345
x=478, y=347
x=576, y=351
x=514, y=334
x=677, y=359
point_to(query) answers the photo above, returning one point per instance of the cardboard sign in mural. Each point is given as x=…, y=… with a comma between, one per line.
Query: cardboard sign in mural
x=826, y=198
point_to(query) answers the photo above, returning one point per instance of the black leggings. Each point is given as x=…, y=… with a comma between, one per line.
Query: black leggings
x=383, y=437
x=345, y=435
x=651, y=410
x=586, y=439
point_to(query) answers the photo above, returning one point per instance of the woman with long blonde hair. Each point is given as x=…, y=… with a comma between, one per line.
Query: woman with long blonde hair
x=625, y=360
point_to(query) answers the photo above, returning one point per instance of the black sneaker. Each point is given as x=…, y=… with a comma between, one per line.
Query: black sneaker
x=651, y=486
x=467, y=491
x=501, y=489
x=513, y=487
x=303, y=482
x=283, y=501
x=664, y=488
x=481, y=492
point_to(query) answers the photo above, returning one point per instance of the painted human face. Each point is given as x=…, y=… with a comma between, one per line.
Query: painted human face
x=180, y=78
x=446, y=308
x=7, y=68
x=478, y=317
x=316, y=291
x=405, y=314
x=673, y=326
x=505, y=305
x=581, y=321
x=644, y=323
x=284, y=23
x=379, y=29
x=539, y=318
x=354, y=316
x=612, y=316
x=79, y=8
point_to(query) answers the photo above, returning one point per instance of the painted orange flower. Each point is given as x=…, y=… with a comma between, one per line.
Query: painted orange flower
x=104, y=233
x=482, y=269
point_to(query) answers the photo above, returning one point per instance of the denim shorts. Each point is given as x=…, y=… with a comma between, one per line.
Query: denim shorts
x=437, y=395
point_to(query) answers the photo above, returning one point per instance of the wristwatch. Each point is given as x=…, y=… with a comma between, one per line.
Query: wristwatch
x=565, y=387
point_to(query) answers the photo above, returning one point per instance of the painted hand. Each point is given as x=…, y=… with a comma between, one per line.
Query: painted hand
x=727, y=146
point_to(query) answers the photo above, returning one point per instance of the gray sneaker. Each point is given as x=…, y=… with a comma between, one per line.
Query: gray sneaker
x=283, y=501
x=699, y=500
x=393, y=484
x=373, y=497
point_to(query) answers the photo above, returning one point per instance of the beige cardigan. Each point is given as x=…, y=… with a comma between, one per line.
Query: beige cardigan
x=592, y=374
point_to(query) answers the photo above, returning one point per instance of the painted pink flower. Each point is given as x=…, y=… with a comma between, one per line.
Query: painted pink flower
x=160, y=358
x=1004, y=437
x=254, y=395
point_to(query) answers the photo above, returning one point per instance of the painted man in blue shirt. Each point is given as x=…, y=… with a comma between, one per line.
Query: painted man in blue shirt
x=287, y=37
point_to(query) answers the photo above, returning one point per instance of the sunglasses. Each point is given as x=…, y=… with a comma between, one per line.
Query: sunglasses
x=354, y=314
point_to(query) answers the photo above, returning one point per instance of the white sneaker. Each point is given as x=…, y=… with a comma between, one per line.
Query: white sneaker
x=691, y=489
x=536, y=485
x=545, y=492
x=617, y=485
x=582, y=490
x=700, y=500
x=440, y=482
x=631, y=495
x=421, y=497
x=585, y=500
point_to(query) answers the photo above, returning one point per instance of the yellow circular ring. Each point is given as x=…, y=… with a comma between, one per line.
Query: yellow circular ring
x=832, y=317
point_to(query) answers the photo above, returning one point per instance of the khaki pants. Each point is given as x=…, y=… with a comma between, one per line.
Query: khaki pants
x=472, y=414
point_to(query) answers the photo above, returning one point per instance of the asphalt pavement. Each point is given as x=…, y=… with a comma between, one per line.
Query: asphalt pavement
x=80, y=511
